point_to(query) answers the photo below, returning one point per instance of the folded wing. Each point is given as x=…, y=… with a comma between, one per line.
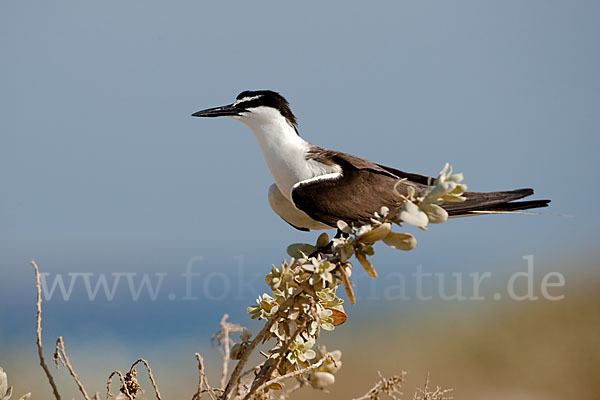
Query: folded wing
x=364, y=187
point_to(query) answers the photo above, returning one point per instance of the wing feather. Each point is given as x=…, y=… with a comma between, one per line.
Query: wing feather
x=364, y=187
x=353, y=197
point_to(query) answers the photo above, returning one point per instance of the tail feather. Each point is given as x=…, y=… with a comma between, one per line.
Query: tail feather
x=494, y=202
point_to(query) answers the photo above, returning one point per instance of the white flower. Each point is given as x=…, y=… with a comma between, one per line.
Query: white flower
x=446, y=175
x=412, y=214
x=439, y=191
x=320, y=269
x=448, y=186
x=301, y=351
x=425, y=209
x=435, y=213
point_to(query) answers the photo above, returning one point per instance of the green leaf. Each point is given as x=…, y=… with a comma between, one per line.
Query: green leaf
x=300, y=250
x=323, y=240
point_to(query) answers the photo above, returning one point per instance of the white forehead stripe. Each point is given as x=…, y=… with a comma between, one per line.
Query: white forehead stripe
x=244, y=99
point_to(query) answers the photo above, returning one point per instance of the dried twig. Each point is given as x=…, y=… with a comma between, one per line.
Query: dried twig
x=271, y=365
x=235, y=375
x=222, y=337
x=141, y=360
x=203, y=380
x=201, y=377
x=61, y=355
x=224, y=350
x=389, y=386
x=425, y=394
x=124, y=389
x=294, y=374
x=238, y=388
x=285, y=395
x=38, y=330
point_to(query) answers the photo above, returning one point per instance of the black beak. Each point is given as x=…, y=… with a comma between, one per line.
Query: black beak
x=224, y=111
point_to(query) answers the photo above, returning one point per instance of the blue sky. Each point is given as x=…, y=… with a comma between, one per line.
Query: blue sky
x=103, y=170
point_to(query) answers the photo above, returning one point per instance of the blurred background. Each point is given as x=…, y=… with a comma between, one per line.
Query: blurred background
x=105, y=175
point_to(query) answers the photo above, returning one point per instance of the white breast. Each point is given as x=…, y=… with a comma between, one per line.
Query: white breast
x=283, y=150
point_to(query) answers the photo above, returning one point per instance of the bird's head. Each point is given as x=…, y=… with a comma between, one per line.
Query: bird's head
x=254, y=108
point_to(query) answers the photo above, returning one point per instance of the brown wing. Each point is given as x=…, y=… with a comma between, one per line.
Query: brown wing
x=352, y=197
x=361, y=190
x=364, y=187
x=416, y=178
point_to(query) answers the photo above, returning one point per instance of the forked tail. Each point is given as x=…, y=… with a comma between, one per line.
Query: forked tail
x=493, y=202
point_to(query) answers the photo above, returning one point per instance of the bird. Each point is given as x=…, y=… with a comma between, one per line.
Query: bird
x=315, y=187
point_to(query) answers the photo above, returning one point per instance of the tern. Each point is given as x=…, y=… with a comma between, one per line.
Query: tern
x=316, y=187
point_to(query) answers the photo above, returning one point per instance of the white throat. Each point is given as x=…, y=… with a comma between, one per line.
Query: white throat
x=283, y=150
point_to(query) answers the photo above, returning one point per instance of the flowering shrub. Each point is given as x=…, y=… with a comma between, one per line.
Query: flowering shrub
x=303, y=301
